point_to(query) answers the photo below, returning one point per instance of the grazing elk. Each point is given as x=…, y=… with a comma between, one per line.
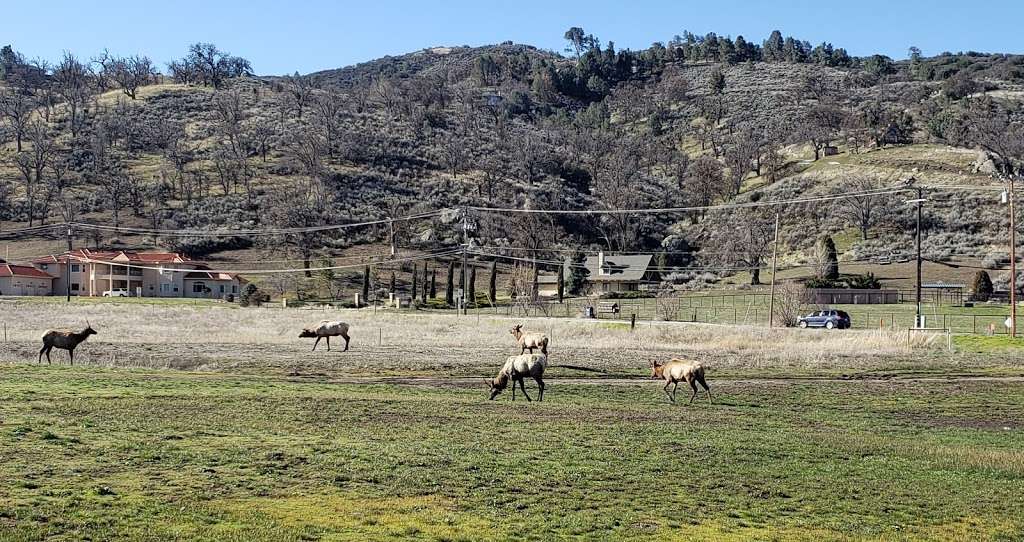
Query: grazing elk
x=517, y=368
x=529, y=340
x=327, y=329
x=64, y=340
x=678, y=370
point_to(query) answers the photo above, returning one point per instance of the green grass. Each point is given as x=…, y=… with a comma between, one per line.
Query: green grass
x=101, y=454
x=987, y=344
x=60, y=299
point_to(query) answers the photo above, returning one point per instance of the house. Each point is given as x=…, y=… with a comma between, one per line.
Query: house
x=24, y=280
x=612, y=273
x=149, y=274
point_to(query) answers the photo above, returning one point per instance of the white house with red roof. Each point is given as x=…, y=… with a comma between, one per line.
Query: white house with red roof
x=149, y=274
x=24, y=280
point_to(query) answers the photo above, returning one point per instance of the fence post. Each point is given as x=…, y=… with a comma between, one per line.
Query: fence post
x=974, y=324
x=632, y=322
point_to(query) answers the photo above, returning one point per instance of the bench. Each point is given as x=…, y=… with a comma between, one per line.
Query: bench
x=607, y=307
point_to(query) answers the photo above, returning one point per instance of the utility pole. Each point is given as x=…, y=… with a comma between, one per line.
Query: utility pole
x=465, y=249
x=917, y=293
x=1013, y=265
x=775, y=259
x=391, y=236
x=67, y=268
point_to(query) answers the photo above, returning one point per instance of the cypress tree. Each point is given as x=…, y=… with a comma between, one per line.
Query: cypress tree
x=492, y=286
x=433, y=283
x=423, y=295
x=415, y=276
x=981, y=290
x=471, y=296
x=391, y=285
x=366, y=283
x=462, y=282
x=561, y=284
x=829, y=259
x=449, y=289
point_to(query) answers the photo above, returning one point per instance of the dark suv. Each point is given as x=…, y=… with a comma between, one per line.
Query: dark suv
x=829, y=319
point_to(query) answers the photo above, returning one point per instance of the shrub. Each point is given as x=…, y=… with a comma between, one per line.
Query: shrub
x=981, y=288
x=250, y=296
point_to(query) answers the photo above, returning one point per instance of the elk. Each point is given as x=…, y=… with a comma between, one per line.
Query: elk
x=64, y=340
x=517, y=368
x=529, y=340
x=326, y=329
x=678, y=370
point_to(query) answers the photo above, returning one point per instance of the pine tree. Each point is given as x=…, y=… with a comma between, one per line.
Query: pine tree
x=366, y=284
x=561, y=285
x=391, y=284
x=433, y=283
x=449, y=290
x=415, y=275
x=981, y=289
x=492, y=285
x=426, y=281
x=471, y=293
x=578, y=273
x=828, y=258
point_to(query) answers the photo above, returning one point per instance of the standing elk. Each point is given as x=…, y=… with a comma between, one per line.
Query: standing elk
x=64, y=340
x=529, y=340
x=517, y=368
x=678, y=370
x=327, y=329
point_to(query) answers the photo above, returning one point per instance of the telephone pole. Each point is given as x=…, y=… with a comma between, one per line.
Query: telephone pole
x=917, y=242
x=67, y=268
x=1013, y=264
x=775, y=259
x=465, y=249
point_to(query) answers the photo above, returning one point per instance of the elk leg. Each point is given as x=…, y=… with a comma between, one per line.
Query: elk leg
x=513, y=390
x=540, y=386
x=693, y=386
x=674, y=386
x=328, y=343
x=41, y=351
x=706, y=388
x=522, y=386
x=670, y=398
x=346, y=342
x=48, y=354
x=71, y=355
x=316, y=342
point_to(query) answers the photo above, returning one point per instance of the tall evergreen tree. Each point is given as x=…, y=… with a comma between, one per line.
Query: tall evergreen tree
x=415, y=276
x=561, y=285
x=426, y=281
x=492, y=284
x=449, y=290
x=366, y=284
x=391, y=284
x=471, y=292
x=828, y=258
x=433, y=283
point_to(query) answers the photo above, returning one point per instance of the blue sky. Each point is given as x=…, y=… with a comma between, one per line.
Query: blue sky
x=282, y=37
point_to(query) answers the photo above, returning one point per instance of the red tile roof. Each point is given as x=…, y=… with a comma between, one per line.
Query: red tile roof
x=15, y=270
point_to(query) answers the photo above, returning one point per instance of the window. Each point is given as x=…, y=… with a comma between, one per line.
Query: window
x=198, y=287
x=234, y=288
x=44, y=266
x=164, y=288
x=135, y=271
x=76, y=268
x=74, y=286
x=222, y=288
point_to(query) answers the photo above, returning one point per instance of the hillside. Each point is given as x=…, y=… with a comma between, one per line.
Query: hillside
x=512, y=126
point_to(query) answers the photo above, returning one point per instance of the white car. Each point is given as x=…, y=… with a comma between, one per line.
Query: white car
x=116, y=292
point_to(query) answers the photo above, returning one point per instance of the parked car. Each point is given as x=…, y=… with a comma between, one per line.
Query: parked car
x=829, y=319
x=116, y=292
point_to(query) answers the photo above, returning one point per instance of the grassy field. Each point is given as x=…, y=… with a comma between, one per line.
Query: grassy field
x=89, y=453
x=204, y=422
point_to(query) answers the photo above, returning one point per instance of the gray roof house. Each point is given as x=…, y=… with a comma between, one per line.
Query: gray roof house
x=612, y=273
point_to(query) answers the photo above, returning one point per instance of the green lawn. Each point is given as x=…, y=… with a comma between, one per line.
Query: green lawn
x=89, y=453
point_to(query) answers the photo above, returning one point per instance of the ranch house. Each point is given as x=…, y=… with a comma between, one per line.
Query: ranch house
x=24, y=280
x=609, y=274
x=146, y=274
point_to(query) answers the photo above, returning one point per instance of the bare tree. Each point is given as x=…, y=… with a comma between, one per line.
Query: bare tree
x=16, y=107
x=742, y=239
x=860, y=210
x=131, y=73
x=72, y=79
x=704, y=182
x=299, y=92
x=33, y=163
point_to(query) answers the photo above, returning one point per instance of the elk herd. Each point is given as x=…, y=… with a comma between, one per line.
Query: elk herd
x=515, y=370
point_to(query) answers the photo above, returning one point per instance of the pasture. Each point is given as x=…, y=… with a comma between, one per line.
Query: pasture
x=207, y=422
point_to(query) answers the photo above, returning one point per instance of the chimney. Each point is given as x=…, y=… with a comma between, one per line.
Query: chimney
x=600, y=262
